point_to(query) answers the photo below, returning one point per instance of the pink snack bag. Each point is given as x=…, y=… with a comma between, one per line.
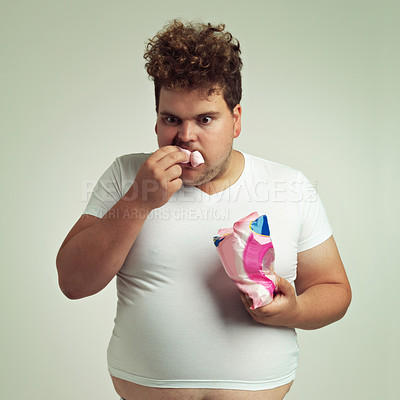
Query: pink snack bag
x=247, y=254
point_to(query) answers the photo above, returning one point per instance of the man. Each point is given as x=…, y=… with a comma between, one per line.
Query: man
x=182, y=330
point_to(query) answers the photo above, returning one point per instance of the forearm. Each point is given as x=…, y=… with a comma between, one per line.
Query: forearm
x=90, y=259
x=322, y=304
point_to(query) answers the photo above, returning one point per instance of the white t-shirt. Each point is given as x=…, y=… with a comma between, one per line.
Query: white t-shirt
x=180, y=322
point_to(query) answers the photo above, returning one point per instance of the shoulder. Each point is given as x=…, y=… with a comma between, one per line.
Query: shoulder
x=133, y=158
x=131, y=162
x=272, y=170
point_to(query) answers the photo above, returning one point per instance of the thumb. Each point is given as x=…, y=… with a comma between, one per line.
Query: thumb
x=284, y=286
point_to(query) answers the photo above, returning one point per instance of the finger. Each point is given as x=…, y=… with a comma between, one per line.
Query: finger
x=247, y=305
x=166, y=156
x=247, y=301
x=284, y=286
x=162, y=152
x=173, y=172
x=171, y=159
x=242, y=296
x=170, y=155
x=175, y=185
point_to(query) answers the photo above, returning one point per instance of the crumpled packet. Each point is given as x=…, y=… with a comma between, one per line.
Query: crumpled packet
x=194, y=157
x=247, y=254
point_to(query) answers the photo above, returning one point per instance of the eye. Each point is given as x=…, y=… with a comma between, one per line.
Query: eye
x=206, y=120
x=171, y=120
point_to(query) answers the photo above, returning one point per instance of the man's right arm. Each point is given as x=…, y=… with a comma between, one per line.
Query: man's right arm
x=95, y=249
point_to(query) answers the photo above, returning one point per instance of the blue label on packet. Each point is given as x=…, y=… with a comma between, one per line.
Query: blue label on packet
x=218, y=240
x=260, y=226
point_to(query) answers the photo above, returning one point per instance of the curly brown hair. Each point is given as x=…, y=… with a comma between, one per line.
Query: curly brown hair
x=195, y=56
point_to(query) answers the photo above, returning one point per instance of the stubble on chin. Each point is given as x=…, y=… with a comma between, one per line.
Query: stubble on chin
x=211, y=173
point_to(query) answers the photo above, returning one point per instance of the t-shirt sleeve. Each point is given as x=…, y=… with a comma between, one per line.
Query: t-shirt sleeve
x=106, y=192
x=315, y=226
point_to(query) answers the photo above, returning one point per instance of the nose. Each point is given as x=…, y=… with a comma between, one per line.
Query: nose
x=187, y=131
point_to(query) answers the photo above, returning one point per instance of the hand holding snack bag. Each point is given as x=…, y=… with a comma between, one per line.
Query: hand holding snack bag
x=247, y=254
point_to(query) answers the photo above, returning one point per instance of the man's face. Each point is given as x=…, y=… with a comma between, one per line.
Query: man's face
x=191, y=120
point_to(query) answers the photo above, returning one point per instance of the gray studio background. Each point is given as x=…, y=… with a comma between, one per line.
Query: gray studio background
x=321, y=91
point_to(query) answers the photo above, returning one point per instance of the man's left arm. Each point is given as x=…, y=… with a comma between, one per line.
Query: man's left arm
x=323, y=292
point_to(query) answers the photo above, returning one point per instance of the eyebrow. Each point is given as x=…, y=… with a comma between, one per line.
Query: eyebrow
x=206, y=114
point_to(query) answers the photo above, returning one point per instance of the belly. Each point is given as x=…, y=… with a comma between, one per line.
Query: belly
x=131, y=391
x=182, y=321
x=187, y=333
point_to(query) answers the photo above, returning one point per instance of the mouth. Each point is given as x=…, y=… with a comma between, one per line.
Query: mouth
x=189, y=166
x=195, y=157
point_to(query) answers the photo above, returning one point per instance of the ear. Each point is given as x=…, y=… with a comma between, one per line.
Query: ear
x=155, y=128
x=237, y=120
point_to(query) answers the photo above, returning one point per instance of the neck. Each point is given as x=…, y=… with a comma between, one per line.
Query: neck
x=228, y=178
